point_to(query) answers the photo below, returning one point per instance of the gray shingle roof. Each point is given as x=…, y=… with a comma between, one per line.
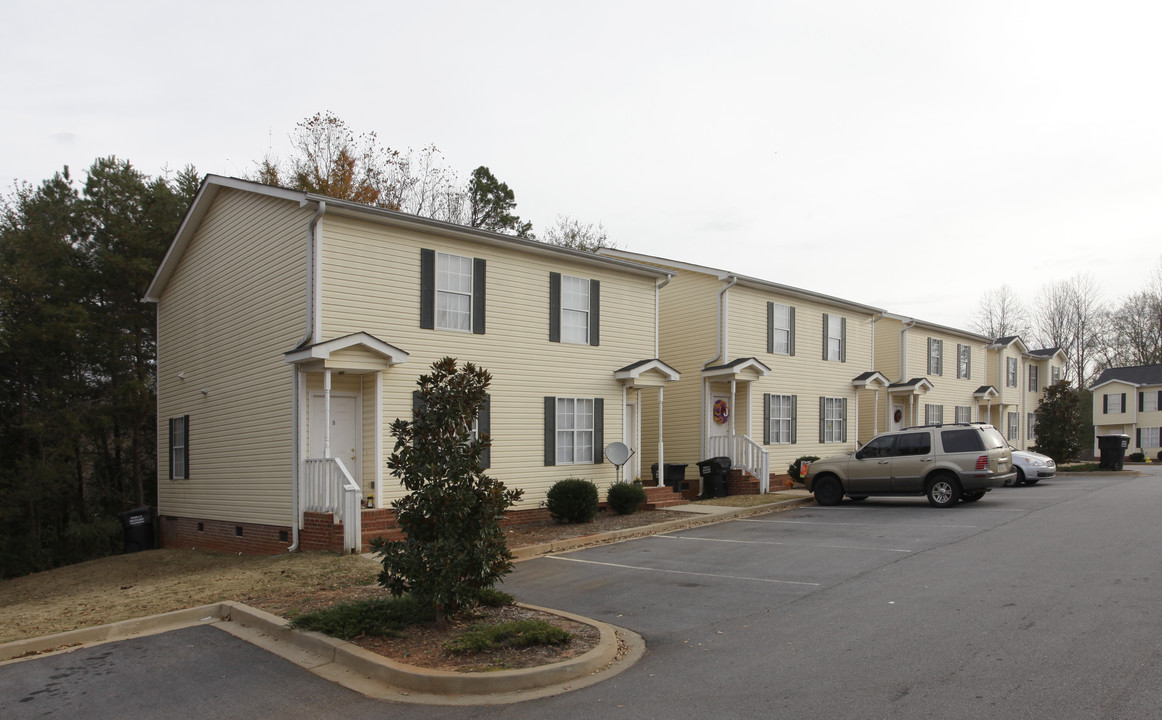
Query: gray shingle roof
x=1138, y=375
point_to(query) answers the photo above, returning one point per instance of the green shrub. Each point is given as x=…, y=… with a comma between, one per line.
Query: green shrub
x=491, y=597
x=380, y=616
x=794, y=469
x=519, y=633
x=625, y=498
x=572, y=500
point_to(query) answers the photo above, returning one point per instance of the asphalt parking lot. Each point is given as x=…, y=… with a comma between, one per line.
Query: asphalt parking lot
x=1034, y=602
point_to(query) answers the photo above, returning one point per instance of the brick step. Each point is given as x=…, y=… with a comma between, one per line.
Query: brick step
x=660, y=504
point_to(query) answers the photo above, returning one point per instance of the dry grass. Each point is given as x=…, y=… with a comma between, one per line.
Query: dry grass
x=744, y=501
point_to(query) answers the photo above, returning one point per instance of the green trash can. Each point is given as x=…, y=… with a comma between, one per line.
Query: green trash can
x=1113, y=451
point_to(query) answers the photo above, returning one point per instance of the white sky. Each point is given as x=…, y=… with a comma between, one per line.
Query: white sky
x=904, y=154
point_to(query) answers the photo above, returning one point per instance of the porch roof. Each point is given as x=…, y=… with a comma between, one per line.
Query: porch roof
x=646, y=373
x=737, y=370
x=915, y=386
x=871, y=379
x=361, y=341
x=986, y=392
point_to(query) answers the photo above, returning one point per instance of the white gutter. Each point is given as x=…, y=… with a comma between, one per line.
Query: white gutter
x=720, y=357
x=308, y=337
x=904, y=350
x=657, y=306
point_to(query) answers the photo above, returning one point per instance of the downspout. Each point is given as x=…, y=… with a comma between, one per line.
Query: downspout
x=308, y=336
x=657, y=313
x=719, y=357
x=904, y=351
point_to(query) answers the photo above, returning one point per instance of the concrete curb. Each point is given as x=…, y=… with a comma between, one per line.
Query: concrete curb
x=350, y=665
x=533, y=551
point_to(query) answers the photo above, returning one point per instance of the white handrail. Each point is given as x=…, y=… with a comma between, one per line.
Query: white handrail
x=329, y=487
x=743, y=453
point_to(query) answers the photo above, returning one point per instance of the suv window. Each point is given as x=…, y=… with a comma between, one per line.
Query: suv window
x=955, y=441
x=878, y=447
x=915, y=443
x=993, y=438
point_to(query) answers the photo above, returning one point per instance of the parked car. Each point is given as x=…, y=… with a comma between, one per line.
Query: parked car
x=1031, y=466
x=947, y=463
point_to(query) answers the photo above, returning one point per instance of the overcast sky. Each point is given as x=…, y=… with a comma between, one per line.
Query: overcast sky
x=903, y=154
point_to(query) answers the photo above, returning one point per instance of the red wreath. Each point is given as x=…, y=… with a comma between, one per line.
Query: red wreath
x=899, y=415
x=721, y=412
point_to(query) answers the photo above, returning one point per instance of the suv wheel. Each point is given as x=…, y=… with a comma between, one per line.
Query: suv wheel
x=943, y=491
x=828, y=491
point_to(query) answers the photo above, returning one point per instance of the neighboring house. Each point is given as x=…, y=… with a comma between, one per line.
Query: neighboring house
x=769, y=372
x=1128, y=401
x=1020, y=376
x=937, y=374
x=291, y=331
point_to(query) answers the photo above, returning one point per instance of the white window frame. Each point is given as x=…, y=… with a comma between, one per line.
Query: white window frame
x=1119, y=407
x=1030, y=426
x=1014, y=428
x=963, y=361
x=574, y=310
x=451, y=293
x=933, y=414
x=179, y=438
x=572, y=432
x=1034, y=378
x=1149, y=401
x=1011, y=372
x=963, y=413
x=1055, y=374
x=935, y=356
x=834, y=338
x=780, y=419
x=781, y=329
x=1154, y=434
x=833, y=420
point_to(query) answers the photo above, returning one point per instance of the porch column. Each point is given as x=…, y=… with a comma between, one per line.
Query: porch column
x=733, y=405
x=912, y=410
x=857, y=417
x=327, y=412
x=378, y=502
x=876, y=415
x=749, y=414
x=661, y=448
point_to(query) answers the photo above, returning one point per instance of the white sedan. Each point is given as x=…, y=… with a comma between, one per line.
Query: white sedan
x=1031, y=467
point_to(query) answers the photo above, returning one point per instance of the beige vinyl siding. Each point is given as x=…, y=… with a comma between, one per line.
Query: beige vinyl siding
x=688, y=329
x=234, y=305
x=947, y=389
x=371, y=283
x=887, y=350
x=805, y=374
x=1114, y=390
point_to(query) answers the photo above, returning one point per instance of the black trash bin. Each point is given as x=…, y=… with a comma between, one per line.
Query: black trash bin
x=1113, y=451
x=137, y=525
x=674, y=476
x=714, y=473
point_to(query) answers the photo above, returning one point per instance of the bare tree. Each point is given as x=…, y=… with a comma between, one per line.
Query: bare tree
x=572, y=233
x=1068, y=316
x=1000, y=314
x=1131, y=330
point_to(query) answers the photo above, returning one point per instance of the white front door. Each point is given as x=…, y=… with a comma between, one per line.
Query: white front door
x=719, y=425
x=631, y=470
x=897, y=417
x=345, y=437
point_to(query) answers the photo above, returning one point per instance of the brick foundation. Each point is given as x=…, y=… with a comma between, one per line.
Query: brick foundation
x=223, y=536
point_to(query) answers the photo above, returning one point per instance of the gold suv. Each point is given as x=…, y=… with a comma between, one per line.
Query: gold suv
x=947, y=463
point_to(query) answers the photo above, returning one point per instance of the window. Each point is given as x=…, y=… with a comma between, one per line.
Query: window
x=1030, y=425
x=780, y=329
x=957, y=441
x=882, y=446
x=935, y=356
x=574, y=310
x=1113, y=403
x=451, y=292
x=179, y=448
x=834, y=338
x=780, y=413
x=1014, y=419
x=918, y=443
x=1055, y=374
x=963, y=414
x=1149, y=401
x=832, y=420
x=933, y=414
x=1011, y=372
x=1034, y=371
x=1149, y=437
x=963, y=361
x=574, y=429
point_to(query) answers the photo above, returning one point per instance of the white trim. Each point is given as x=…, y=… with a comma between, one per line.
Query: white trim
x=323, y=350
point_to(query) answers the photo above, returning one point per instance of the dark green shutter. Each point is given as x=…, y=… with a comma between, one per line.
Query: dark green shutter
x=186, y=443
x=594, y=312
x=770, y=344
x=825, y=338
x=842, y=339
x=843, y=416
x=598, y=430
x=767, y=406
x=1105, y=404
x=822, y=418
x=794, y=419
x=1123, y=402
x=478, y=302
x=550, y=430
x=171, y=421
x=791, y=333
x=427, y=289
x=1141, y=401
x=554, y=307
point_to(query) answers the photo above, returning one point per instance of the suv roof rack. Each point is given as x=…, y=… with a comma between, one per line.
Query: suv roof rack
x=952, y=424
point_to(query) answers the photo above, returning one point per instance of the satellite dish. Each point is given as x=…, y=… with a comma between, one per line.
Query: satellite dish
x=617, y=453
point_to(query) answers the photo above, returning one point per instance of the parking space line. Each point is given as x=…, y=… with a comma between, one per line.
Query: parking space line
x=818, y=522
x=684, y=572
x=772, y=542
